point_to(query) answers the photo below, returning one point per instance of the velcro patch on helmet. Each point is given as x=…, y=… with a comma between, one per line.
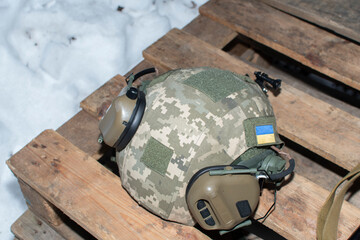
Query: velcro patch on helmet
x=261, y=131
x=156, y=156
x=216, y=84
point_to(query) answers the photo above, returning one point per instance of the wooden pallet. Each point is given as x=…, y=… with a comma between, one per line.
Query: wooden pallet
x=72, y=196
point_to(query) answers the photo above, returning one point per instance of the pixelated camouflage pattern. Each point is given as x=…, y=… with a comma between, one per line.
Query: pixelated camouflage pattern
x=200, y=132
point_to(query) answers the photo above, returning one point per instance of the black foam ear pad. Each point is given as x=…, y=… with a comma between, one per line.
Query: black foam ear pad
x=134, y=122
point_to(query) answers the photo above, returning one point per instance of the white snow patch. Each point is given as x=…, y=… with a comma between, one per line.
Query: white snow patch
x=55, y=53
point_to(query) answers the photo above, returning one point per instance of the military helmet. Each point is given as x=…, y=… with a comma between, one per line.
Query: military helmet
x=203, y=140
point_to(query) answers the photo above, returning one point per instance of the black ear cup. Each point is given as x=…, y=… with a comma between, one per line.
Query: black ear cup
x=135, y=119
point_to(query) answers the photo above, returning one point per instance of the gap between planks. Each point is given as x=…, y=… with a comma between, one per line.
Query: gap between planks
x=341, y=16
x=30, y=227
x=316, y=48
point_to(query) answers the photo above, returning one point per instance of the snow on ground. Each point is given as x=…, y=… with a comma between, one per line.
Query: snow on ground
x=55, y=53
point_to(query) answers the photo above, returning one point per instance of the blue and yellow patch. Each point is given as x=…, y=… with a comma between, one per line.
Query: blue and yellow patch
x=265, y=134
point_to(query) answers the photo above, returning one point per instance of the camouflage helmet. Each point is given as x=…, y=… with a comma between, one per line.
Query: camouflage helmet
x=194, y=118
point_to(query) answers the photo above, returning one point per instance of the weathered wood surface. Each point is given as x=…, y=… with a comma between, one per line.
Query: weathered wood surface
x=40, y=206
x=297, y=206
x=341, y=16
x=88, y=193
x=306, y=120
x=82, y=130
x=311, y=46
x=210, y=31
x=29, y=227
x=105, y=94
x=331, y=132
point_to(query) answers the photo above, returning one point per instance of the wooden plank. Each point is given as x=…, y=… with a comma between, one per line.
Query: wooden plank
x=98, y=102
x=88, y=193
x=319, y=124
x=30, y=227
x=341, y=16
x=39, y=205
x=306, y=120
x=82, y=130
x=178, y=49
x=311, y=46
x=201, y=27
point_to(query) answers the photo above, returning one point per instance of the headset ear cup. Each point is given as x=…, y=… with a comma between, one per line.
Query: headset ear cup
x=124, y=116
x=133, y=124
x=219, y=202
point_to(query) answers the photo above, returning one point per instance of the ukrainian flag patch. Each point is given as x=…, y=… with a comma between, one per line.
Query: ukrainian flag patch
x=265, y=134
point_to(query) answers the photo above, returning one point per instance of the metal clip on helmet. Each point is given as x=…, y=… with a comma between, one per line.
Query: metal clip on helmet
x=201, y=145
